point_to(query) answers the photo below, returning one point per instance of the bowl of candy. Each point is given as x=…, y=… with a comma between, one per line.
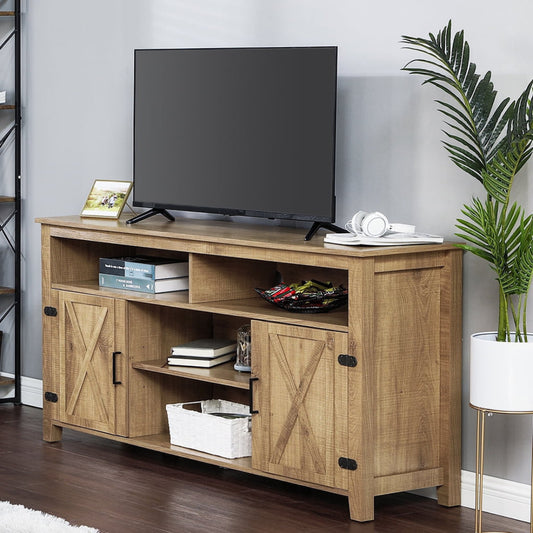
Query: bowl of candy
x=310, y=296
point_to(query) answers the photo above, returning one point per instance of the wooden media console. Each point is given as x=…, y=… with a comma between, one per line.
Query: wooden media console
x=384, y=417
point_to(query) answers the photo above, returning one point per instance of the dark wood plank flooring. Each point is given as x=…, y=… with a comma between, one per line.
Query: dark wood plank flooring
x=119, y=488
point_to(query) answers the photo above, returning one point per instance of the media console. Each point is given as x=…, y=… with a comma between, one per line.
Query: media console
x=383, y=417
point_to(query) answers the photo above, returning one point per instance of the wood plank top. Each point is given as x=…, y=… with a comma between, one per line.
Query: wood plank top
x=6, y=199
x=225, y=232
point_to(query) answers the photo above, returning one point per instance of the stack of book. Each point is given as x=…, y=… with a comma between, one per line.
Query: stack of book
x=144, y=274
x=203, y=353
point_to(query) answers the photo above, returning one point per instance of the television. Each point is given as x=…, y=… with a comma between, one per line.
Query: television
x=237, y=131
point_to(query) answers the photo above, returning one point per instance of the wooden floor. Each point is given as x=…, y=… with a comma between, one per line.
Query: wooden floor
x=121, y=489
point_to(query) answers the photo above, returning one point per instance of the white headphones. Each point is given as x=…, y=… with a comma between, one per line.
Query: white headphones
x=375, y=224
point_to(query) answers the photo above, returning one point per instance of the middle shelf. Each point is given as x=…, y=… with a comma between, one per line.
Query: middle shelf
x=223, y=374
x=253, y=308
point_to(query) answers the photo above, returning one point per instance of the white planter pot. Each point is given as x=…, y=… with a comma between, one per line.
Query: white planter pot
x=501, y=374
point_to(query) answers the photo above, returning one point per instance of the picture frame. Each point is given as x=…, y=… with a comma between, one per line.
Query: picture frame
x=106, y=199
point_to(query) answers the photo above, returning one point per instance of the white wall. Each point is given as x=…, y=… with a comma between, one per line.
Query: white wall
x=78, y=60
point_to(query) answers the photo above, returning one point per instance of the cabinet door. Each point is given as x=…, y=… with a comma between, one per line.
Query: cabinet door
x=301, y=395
x=90, y=395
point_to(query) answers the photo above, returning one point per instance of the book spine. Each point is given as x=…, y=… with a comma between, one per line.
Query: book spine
x=128, y=283
x=122, y=267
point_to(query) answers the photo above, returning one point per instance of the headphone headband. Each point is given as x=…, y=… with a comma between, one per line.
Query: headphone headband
x=375, y=224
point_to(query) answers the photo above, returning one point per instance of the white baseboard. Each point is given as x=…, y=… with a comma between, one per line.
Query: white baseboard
x=500, y=496
x=31, y=391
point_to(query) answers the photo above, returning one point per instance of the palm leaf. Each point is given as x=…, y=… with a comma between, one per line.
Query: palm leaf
x=476, y=230
x=500, y=171
x=491, y=143
x=517, y=278
x=474, y=117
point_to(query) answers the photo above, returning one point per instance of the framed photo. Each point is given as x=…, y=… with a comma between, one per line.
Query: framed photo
x=106, y=199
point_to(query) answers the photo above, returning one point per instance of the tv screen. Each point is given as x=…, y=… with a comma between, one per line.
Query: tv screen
x=239, y=131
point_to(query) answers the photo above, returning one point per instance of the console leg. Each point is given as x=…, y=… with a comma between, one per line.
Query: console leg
x=361, y=504
x=51, y=432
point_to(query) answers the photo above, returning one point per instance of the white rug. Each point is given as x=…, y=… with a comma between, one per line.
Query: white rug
x=18, y=519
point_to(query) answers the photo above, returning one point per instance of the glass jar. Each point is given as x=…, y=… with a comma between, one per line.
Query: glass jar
x=244, y=349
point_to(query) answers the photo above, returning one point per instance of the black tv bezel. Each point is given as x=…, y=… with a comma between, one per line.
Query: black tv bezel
x=158, y=207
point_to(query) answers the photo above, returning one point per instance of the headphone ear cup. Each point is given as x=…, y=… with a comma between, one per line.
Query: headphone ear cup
x=357, y=221
x=375, y=224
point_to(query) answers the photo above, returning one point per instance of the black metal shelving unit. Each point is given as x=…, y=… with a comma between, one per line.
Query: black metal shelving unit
x=14, y=215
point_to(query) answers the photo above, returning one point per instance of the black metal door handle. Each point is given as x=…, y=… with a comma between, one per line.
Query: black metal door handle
x=252, y=410
x=115, y=382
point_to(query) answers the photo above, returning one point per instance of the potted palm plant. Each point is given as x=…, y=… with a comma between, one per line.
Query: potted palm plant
x=491, y=142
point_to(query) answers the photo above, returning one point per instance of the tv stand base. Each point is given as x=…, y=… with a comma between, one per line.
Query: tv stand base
x=326, y=225
x=151, y=213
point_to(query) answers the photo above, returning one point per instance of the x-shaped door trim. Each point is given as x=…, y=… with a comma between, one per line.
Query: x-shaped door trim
x=297, y=410
x=85, y=367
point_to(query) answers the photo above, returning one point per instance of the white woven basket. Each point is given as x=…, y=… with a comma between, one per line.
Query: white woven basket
x=204, y=431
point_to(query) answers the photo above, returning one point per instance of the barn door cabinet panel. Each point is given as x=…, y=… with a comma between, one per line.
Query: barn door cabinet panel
x=300, y=428
x=92, y=362
x=362, y=400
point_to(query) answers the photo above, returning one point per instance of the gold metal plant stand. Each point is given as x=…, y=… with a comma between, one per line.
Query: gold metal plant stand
x=480, y=453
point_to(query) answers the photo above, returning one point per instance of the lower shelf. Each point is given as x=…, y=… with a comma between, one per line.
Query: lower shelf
x=431, y=477
x=161, y=443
